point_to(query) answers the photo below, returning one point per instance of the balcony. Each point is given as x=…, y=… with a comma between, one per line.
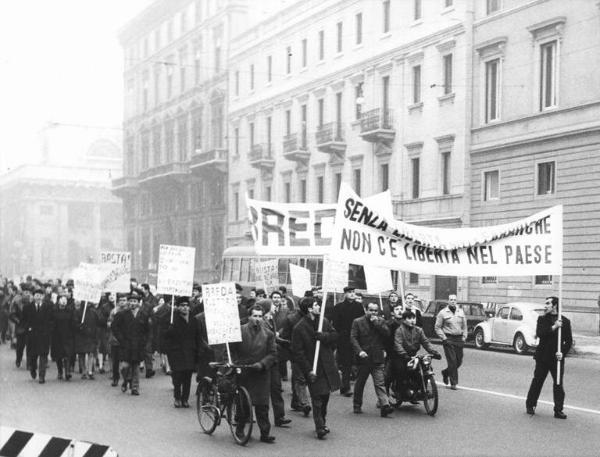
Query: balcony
x=377, y=126
x=213, y=160
x=294, y=149
x=443, y=210
x=169, y=172
x=123, y=186
x=261, y=157
x=330, y=138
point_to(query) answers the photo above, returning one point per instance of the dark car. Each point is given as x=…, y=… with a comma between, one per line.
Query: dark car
x=474, y=312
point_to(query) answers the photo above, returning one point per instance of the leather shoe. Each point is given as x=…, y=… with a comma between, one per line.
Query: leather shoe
x=357, y=410
x=282, y=422
x=530, y=410
x=33, y=374
x=134, y=392
x=347, y=393
x=306, y=410
x=177, y=404
x=42, y=381
x=559, y=415
x=267, y=439
x=386, y=411
x=453, y=387
x=321, y=433
x=445, y=377
x=150, y=373
x=114, y=383
x=124, y=386
x=326, y=429
x=185, y=404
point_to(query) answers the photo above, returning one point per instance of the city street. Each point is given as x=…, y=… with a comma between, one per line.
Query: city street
x=486, y=416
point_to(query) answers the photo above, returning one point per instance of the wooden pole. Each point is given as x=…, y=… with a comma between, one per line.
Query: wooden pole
x=380, y=302
x=84, y=310
x=319, y=329
x=228, y=353
x=172, y=307
x=401, y=282
x=559, y=347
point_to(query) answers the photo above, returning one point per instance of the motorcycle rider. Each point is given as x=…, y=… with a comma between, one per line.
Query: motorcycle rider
x=408, y=339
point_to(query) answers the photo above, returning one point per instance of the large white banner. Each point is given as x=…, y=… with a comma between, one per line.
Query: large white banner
x=530, y=246
x=89, y=280
x=300, y=280
x=175, y=270
x=221, y=312
x=267, y=274
x=119, y=279
x=298, y=228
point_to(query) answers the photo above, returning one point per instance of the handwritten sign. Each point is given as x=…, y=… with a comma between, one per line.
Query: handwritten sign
x=175, y=270
x=378, y=279
x=119, y=278
x=267, y=274
x=300, y=280
x=335, y=274
x=88, y=281
x=221, y=312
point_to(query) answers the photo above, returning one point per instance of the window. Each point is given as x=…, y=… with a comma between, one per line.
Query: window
x=415, y=165
x=503, y=313
x=216, y=122
x=489, y=280
x=492, y=6
x=385, y=177
x=340, y=28
x=321, y=45
x=268, y=193
x=251, y=131
x=237, y=83
x=169, y=31
x=251, y=193
x=385, y=96
x=303, y=132
x=303, y=190
x=386, y=16
x=288, y=60
x=356, y=178
x=46, y=210
x=182, y=138
x=338, y=185
x=236, y=134
x=492, y=90
x=416, y=73
x=320, y=112
x=269, y=68
x=445, y=173
x=170, y=78
x=146, y=47
x=287, y=190
x=145, y=150
x=448, y=3
x=304, y=53
x=197, y=127
x=491, y=185
x=183, y=22
x=288, y=122
x=338, y=114
x=516, y=314
x=269, y=134
x=145, y=78
x=358, y=97
x=320, y=189
x=447, y=74
x=156, y=139
x=359, y=28
x=548, y=75
x=543, y=280
x=545, y=178
x=417, y=10
x=197, y=67
x=182, y=69
x=217, y=59
x=169, y=140
x=251, y=76
x=156, y=40
x=413, y=278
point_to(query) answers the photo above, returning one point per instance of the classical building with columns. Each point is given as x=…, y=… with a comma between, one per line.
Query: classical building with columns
x=372, y=93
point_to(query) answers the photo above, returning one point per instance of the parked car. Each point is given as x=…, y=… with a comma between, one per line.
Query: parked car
x=474, y=312
x=513, y=325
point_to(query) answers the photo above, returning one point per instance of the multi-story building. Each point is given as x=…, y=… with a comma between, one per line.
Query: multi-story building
x=372, y=93
x=536, y=138
x=59, y=211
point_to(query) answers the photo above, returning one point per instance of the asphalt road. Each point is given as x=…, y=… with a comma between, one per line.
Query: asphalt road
x=486, y=416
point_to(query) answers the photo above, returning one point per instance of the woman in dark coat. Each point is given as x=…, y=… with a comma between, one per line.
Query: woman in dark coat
x=162, y=316
x=85, y=337
x=327, y=378
x=107, y=303
x=180, y=346
x=63, y=340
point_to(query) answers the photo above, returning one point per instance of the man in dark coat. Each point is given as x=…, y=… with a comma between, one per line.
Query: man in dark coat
x=180, y=346
x=63, y=340
x=327, y=378
x=368, y=337
x=149, y=302
x=38, y=320
x=548, y=354
x=409, y=305
x=131, y=328
x=19, y=302
x=343, y=316
x=392, y=359
x=112, y=340
x=257, y=348
x=85, y=323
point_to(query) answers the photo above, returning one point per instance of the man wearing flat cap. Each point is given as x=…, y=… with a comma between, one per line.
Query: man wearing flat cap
x=344, y=314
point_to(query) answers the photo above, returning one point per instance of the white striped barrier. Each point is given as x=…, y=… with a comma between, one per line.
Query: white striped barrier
x=19, y=443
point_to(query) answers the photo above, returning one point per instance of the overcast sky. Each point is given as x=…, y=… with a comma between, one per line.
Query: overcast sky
x=60, y=61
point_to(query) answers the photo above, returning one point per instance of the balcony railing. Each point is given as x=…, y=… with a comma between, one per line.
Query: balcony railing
x=293, y=149
x=377, y=126
x=261, y=156
x=172, y=170
x=330, y=138
x=123, y=185
x=214, y=159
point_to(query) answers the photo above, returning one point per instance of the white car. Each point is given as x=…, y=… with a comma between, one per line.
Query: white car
x=513, y=325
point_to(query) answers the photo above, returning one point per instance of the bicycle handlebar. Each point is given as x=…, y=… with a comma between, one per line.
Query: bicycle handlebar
x=227, y=365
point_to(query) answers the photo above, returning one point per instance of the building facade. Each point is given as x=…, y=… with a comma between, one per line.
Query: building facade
x=371, y=93
x=60, y=211
x=536, y=139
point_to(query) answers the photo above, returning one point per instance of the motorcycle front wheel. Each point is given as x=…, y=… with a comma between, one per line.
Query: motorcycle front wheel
x=430, y=395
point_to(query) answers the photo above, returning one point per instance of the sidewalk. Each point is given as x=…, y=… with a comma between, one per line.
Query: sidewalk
x=586, y=345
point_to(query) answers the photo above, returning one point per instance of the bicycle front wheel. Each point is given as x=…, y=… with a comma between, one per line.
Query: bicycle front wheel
x=206, y=408
x=430, y=395
x=239, y=416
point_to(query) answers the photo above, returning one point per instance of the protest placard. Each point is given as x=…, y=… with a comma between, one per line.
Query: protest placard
x=300, y=280
x=88, y=281
x=267, y=275
x=221, y=311
x=335, y=275
x=378, y=279
x=119, y=278
x=530, y=246
x=175, y=270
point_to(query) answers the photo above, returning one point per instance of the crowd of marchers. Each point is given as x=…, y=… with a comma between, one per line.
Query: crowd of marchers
x=124, y=334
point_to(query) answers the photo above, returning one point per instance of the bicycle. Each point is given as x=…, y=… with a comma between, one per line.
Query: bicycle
x=420, y=385
x=222, y=396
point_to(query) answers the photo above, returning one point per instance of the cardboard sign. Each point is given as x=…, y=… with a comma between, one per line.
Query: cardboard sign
x=221, y=312
x=175, y=270
x=300, y=280
x=335, y=275
x=89, y=280
x=378, y=279
x=119, y=278
x=365, y=235
x=267, y=275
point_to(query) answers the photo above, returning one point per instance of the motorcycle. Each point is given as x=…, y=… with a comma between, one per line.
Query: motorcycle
x=419, y=386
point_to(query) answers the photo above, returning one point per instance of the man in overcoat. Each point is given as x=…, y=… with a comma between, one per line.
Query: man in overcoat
x=257, y=348
x=63, y=340
x=327, y=378
x=38, y=320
